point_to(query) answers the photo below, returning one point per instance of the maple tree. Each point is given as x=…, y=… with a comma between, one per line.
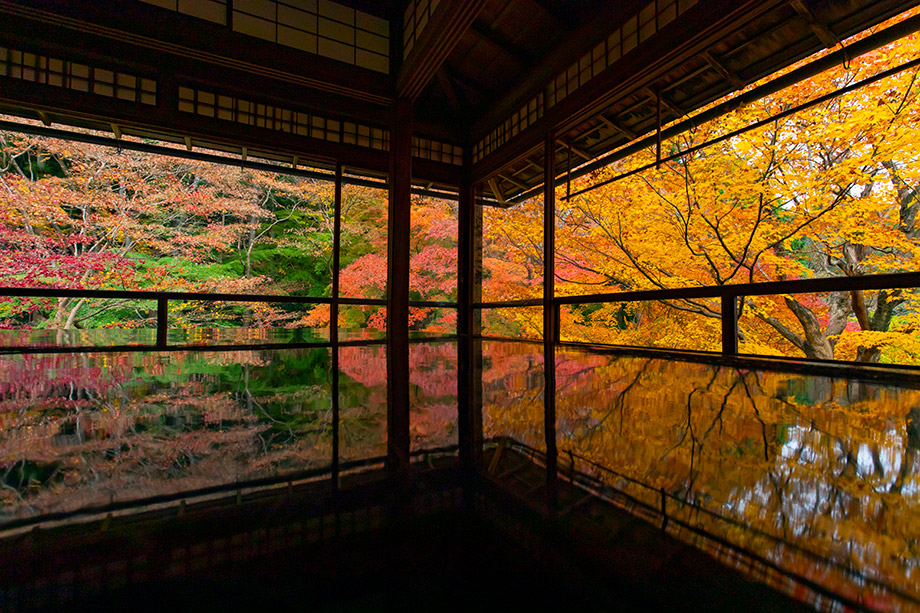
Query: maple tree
x=85, y=216
x=432, y=262
x=830, y=190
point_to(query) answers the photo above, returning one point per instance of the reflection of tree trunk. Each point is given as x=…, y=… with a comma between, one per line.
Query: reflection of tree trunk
x=858, y=391
x=910, y=449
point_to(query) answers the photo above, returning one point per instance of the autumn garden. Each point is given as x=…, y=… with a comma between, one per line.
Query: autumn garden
x=831, y=190
x=84, y=216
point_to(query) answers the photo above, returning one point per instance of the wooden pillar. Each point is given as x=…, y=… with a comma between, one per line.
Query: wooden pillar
x=730, y=325
x=399, y=209
x=336, y=255
x=162, y=322
x=334, y=320
x=549, y=318
x=469, y=372
x=467, y=204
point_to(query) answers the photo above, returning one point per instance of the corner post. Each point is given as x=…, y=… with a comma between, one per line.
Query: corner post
x=398, y=228
x=469, y=380
x=549, y=318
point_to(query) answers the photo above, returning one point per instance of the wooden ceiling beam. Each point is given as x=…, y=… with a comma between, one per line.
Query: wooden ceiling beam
x=448, y=88
x=664, y=102
x=496, y=191
x=531, y=164
x=518, y=184
x=544, y=10
x=616, y=127
x=474, y=88
x=516, y=52
x=699, y=29
x=581, y=153
x=723, y=71
x=69, y=107
x=137, y=29
x=821, y=30
x=446, y=26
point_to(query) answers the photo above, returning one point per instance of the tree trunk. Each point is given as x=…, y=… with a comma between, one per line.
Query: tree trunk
x=887, y=301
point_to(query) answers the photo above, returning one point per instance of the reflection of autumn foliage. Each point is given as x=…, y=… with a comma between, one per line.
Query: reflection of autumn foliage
x=362, y=401
x=433, y=394
x=831, y=464
x=433, y=391
x=512, y=392
x=123, y=426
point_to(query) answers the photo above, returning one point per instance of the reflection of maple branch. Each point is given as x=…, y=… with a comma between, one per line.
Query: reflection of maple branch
x=763, y=424
x=620, y=401
x=689, y=428
x=718, y=417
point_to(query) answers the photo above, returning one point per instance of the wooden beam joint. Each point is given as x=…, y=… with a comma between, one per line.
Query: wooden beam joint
x=821, y=30
x=445, y=28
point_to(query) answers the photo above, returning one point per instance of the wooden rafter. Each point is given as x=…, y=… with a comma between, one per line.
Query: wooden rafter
x=821, y=30
x=496, y=191
x=674, y=110
x=512, y=181
x=580, y=153
x=518, y=53
x=541, y=7
x=616, y=127
x=448, y=88
x=475, y=89
x=722, y=70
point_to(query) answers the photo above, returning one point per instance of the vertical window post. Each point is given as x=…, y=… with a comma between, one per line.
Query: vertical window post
x=334, y=321
x=549, y=317
x=469, y=379
x=398, y=228
x=730, y=325
x=336, y=251
x=162, y=321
